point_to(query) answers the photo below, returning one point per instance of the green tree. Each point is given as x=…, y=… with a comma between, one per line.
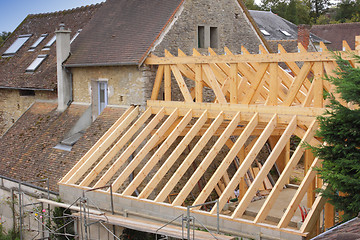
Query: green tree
x=251, y=5
x=3, y=36
x=340, y=129
x=348, y=11
x=319, y=7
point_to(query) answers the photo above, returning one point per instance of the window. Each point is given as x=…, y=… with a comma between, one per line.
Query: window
x=75, y=36
x=266, y=33
x=213, y=37
x=201, y=36
x=40, y=39
x=50, y=43
x=207, y=37
x=36, y=63
x=285, y=33
x=102, y=96
x=22, y=39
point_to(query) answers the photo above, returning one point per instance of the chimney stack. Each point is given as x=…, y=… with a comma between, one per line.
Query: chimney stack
x=64, y=88
x=304, y=35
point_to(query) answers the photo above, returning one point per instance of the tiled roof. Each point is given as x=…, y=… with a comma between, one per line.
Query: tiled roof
x=272, y=23
x=347, y=231
x=27, y=149
x=122, y=32
x=12, y=69
x=336, y=33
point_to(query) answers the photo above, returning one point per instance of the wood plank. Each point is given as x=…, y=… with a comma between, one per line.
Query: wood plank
x=234, y=150
x=155, y=158
x=318, y=85
x=265, y=169
x=214, y=84
x=314, y=213
x=308, y=160
x=174, y=155
x=233, y=83
x=261, y=58
x=189, y=159
x=144, y=151
x=104, y=179
x=157, y=82
x=270, y=200
x=118, y=145
x=256, y=85
x=298, y=82
x=329, y=215
x=100, y=146
x=247, y=163
x=198, y=84
x=167, y=83
x=181, y=83
x=274, y=84
x=205, y=163
x=300, y=193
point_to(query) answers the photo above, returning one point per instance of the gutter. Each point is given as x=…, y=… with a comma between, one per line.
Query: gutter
x=35, y=89
x=101, y=64
x=29, y=185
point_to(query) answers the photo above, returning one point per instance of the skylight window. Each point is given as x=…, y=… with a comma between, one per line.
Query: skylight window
x=285, y=33
x=40, y=39
x=36, y=63
x=22, y=39
x=75, y=36
x=50, y=43
x=266, y=33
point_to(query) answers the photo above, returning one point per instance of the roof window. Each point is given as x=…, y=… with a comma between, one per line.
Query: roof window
x=266, y=33
x=40, y=39
x=75, y=36
x=50, y=43
x=36, y=63
x=22, y=39
x=285, y=33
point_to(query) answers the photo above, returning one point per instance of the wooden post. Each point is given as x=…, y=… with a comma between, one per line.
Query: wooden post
x=329, y=215
x=167, y=83
x=198, y=84
x=309, y=158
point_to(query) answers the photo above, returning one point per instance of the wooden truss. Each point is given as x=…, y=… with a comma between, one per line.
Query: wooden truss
x=165, y=153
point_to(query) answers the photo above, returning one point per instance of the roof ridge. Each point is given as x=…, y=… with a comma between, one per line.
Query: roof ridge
x=334, y=24
x=65, y=11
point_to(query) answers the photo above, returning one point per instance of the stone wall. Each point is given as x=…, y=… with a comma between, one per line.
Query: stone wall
x=13, y=105
x=233, y=28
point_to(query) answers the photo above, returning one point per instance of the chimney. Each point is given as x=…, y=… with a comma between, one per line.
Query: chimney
x=304, y=35
x=64, y=87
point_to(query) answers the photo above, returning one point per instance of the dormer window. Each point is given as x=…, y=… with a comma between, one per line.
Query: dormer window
x=285, y=33
x=40, y=39
x=50, y=43
x=266, y=33
x=22, y=39
x=36, y=63
x=75, y=36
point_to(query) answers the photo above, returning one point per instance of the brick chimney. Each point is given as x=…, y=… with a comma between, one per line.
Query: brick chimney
x=64, y=88
x=304, y=35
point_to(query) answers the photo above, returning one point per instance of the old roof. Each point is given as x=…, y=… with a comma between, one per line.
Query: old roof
x=276, y=25
x=336, y=33
x=13, y=69
x=348, y=230
x=27, y=148
x=122, y=32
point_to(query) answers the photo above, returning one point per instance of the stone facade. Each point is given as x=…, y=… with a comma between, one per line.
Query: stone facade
x=233, y=28
x=13, y=104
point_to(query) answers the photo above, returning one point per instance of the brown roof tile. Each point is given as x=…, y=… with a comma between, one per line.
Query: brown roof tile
x=336, y=33
x=122, y=32
x=27, y=150
x=12, y=70
x=348, y=230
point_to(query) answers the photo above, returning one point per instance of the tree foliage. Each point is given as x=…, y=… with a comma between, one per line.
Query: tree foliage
x=340, y=129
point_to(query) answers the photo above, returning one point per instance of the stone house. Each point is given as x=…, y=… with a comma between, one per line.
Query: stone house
x=28, y=61
x=56, y=107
